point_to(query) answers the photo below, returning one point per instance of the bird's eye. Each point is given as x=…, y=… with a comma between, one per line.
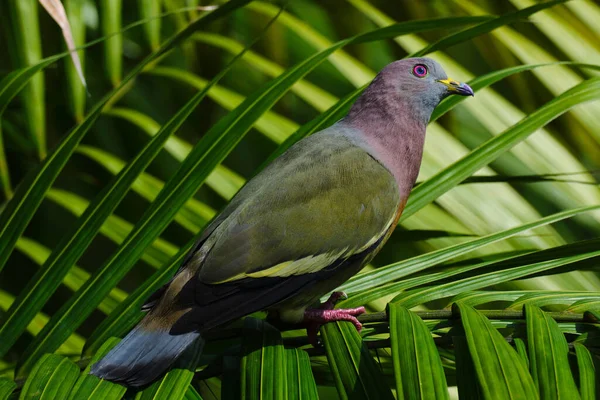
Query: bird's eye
x=420, y=71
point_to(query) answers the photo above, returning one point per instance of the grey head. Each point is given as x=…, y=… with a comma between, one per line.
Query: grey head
x=412, y=86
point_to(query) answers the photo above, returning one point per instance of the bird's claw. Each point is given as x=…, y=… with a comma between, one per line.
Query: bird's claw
x=320, y=316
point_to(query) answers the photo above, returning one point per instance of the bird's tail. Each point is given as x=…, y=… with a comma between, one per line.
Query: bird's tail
x=152, y=346
x=143, y=355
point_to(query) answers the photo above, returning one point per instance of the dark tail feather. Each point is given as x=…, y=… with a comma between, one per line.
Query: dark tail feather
x=142, y=356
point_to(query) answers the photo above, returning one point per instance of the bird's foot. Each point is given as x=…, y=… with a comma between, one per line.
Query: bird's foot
x=325, y=313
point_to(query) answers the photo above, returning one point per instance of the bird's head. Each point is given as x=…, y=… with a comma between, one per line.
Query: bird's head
x=408, y=91
x=419, y=83
x=423, y=77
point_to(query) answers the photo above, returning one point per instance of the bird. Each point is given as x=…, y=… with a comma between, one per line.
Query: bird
x=302, y=226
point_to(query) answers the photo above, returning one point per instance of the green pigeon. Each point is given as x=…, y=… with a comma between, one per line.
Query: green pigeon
x=296, y=231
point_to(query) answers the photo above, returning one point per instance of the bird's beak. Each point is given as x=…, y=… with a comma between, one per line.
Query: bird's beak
x=455, y=87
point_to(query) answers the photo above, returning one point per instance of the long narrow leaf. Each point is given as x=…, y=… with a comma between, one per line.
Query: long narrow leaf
x=76, y=276
x=26, y=33
x=72, y=345
x=485, y=27
x=29, y=194
x=484, y=81
x=6, y=388
x=129, y=311
x=52, y=377
x=587, y=372
x=150, y=9
x=263, y=364
x=501, y=373
x=355, y=373
x=22, y=206
x=300, y=381
x=193, y=215
x=10, y=85
x=398, y=270
x=468, y=387
x=489, y=151
x=75, y=73
x=526, y=265
x=417, y=366
x=91, y=387
x=548, y=352
x=113, y=48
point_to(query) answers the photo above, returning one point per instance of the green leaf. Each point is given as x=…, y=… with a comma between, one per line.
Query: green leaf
x=527, y=179
x=192, y=394
x=548, y=351
x=356, y=374
x=74, y=244
x=300, y=381
x=503, y=271
x=115, y=228
x=6, y=388
x=485, y=27
x=417, y=365
x=521, y=350
x=222, y=180
x=587, y=372
x=19, y=210
x=312, y=94
x=129, y=311
x=374, y=280
x=76, y=88
x=91, y=387
x=468, y=387
x=584, y=305
x=274, y=126
x=23, y=22
x=451, y=176
x=192, y=216
x=150, y=10
x=174, y=385
x=52, y=377
x=72, y=345
x=10, y=85
x=110, y=16
x=263, y=364
x=501, y=373
x=76, y=276
x=544, y=298
x=477, y=298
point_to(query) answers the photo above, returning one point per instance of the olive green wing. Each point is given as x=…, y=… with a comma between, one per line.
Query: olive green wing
x=325, y=200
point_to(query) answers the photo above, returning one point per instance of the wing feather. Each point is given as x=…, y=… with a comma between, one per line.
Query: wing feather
x=324, y=200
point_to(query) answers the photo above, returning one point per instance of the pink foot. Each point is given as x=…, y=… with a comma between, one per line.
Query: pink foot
x=325, y=313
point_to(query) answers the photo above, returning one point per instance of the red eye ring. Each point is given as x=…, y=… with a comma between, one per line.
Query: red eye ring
x=420, y=71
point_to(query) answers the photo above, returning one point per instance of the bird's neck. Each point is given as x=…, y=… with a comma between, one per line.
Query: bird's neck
x=393, y=131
